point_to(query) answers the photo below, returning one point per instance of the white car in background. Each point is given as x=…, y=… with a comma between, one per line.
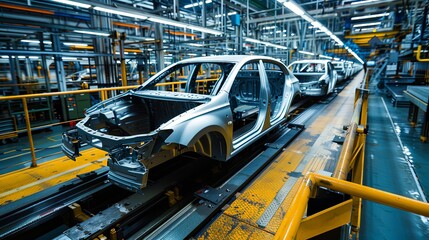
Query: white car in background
x=342, y=72
x=316, y=77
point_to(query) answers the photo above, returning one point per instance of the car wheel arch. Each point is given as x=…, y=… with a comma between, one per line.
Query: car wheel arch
x=211, y=143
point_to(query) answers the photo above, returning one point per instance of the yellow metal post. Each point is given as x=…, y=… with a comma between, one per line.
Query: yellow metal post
x=290, y=224
x=30, y=136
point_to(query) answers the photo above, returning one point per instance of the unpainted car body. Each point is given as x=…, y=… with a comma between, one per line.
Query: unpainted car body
x=342, y=72
x=214, y=106
x=316, y=77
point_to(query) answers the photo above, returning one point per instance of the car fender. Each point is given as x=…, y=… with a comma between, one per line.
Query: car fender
x=185, y=133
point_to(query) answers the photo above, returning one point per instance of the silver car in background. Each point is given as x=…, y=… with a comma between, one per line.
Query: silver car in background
x=316, y=77
x=342, y=72
x=214, y=106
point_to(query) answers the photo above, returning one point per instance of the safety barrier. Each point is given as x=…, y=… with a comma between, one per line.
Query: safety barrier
x=351, y=160
x=104, y=93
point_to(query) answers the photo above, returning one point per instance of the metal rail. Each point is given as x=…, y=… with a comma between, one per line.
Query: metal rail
x=351, y=159
x=103, y=92
x=291, y=223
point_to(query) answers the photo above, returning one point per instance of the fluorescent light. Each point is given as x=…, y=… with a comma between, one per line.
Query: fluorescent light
x=363, y=2
x=264, y=43
x=70, y=58
x=370, y=16
x=307, y=18
x=316, y=24
x=75, y=44
x=252, y=40
x=92, y=33
x=294, y=8
x=30, y=57
x=73, y=3
x=197, y=4
x=195, y=44
x=36, y=41
x=269, y=27
x=184, y=25
x=114, y=11
x=223, y=15
x=305, y=52
x=367, y=24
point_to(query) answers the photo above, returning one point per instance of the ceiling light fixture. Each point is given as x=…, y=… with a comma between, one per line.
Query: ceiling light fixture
x=366, y=24
x=264, y=43
x=197, y=4
x=122, y=13
x=92, y=33
x=73, y=3
x=363, y=2
x=370, y=16
x=75, y=44
x=35, y=41
x=294, y=8
x=305, y=52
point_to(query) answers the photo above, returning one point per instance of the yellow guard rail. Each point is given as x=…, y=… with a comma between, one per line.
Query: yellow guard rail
x=351, y=159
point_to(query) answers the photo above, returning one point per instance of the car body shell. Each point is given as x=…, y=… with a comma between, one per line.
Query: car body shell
x=343, y=72
x=316, y=77
x=207, y=124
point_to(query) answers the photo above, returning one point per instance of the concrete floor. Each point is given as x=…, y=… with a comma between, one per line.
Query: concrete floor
x=397, y=162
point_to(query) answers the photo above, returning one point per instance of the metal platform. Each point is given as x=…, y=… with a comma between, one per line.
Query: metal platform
x=397, y=93
x=257, y=212
x=419, y=97
x=25, y=182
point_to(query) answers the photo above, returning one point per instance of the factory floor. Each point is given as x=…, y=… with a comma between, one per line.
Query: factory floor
x=396, y=161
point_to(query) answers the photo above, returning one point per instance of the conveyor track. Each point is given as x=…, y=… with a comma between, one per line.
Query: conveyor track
x=134, y=216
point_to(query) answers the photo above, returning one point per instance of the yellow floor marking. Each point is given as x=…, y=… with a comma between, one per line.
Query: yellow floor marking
x=239, y=220
x=9, y=151
x=28, y=149
x=42, y=180
x=25, y=182
x=52, y=138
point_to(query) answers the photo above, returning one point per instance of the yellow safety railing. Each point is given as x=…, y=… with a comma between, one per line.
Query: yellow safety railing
x=351, y=159
x=290, y=225
x=419, y=51
x=103, y=94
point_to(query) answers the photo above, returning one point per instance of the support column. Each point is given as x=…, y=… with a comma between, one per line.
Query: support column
x=412, y=114
x=425, y=127
x=159, y=45
x=59, y=72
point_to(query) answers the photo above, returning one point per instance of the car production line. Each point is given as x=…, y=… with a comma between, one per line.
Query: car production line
x=255, y=213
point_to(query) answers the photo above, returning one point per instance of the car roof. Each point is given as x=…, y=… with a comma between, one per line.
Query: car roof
x=226, y=58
